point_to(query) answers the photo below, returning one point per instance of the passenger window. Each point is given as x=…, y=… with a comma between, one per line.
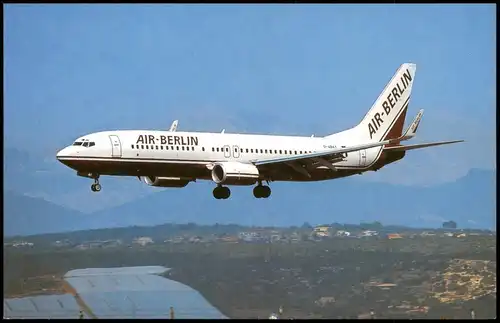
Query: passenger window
x=202, y=148
x=132, y=146
x=251, y=150
x=147, y=147
x=280, y=151
x=171, y=147
x=247, y=150
x=177, y=147
x=166, y=147
x=241, y=150
x=217, y=149
x=295, y=152
x=261, y=151
x=157, y=148
x=161, y=147
x=142, y=146
x=182, y=147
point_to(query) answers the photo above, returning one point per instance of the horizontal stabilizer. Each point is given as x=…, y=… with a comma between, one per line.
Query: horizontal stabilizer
x=418, y=146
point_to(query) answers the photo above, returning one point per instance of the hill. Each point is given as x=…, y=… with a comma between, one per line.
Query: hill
x=470, y=202
x=41, y=175
x=24, y=215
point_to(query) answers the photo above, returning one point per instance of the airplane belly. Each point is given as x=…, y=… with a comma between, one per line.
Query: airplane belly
x=137, y=168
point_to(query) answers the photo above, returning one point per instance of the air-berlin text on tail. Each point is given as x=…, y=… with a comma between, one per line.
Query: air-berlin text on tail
x=392, y=98
x=168, y=140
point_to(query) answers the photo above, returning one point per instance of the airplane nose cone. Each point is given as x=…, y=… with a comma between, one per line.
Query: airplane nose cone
x=61, y=153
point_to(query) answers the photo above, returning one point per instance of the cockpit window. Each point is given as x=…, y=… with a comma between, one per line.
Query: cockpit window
x=84, y=143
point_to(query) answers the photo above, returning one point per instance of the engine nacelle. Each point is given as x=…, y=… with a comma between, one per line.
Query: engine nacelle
x=165, y=181
x=234, y=173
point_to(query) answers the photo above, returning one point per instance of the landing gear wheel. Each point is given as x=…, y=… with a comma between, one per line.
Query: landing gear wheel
x=96, y=187
x=226, y=192
x=261, y=191
x=216, y=193
x=266, y=190
x=221, y=192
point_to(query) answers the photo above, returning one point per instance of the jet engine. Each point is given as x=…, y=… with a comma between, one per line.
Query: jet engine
x=234, y=173
x=165, y=181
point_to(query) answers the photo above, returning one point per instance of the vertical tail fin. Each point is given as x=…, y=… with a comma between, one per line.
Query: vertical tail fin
x=386, y=117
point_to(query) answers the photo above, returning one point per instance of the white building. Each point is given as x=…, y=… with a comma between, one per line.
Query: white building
x=143, y=241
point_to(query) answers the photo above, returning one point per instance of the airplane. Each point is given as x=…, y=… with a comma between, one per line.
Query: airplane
x=174, y=159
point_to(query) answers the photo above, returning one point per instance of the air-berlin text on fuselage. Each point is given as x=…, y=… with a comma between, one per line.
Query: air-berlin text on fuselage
x=168, y=140
x=394, y=96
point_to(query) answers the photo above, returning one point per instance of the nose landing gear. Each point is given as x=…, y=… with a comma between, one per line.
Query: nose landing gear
x=96, y=187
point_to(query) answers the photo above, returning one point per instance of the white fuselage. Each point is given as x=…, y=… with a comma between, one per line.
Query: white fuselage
x=184, y=154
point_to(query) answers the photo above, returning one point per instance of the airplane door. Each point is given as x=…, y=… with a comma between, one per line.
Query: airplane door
x=116, y=146
x=362, y=157
x=227, y=151
x=236, y=151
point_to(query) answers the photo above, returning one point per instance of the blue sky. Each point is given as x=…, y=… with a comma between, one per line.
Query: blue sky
x=288, y=69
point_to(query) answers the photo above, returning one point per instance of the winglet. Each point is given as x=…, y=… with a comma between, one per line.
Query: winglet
x=173, y=127
x=412, y=129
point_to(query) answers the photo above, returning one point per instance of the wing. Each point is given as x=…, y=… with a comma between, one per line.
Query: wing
x=329, y=154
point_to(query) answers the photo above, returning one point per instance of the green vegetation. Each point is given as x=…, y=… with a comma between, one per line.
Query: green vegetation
x=331, y=278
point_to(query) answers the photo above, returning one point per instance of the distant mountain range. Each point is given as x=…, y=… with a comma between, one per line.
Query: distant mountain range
x=470, y=201
x=25, y=215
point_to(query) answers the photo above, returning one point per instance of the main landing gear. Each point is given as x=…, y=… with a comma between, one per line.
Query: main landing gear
x=96, y=187
x=222, y=192
x=262, y=191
